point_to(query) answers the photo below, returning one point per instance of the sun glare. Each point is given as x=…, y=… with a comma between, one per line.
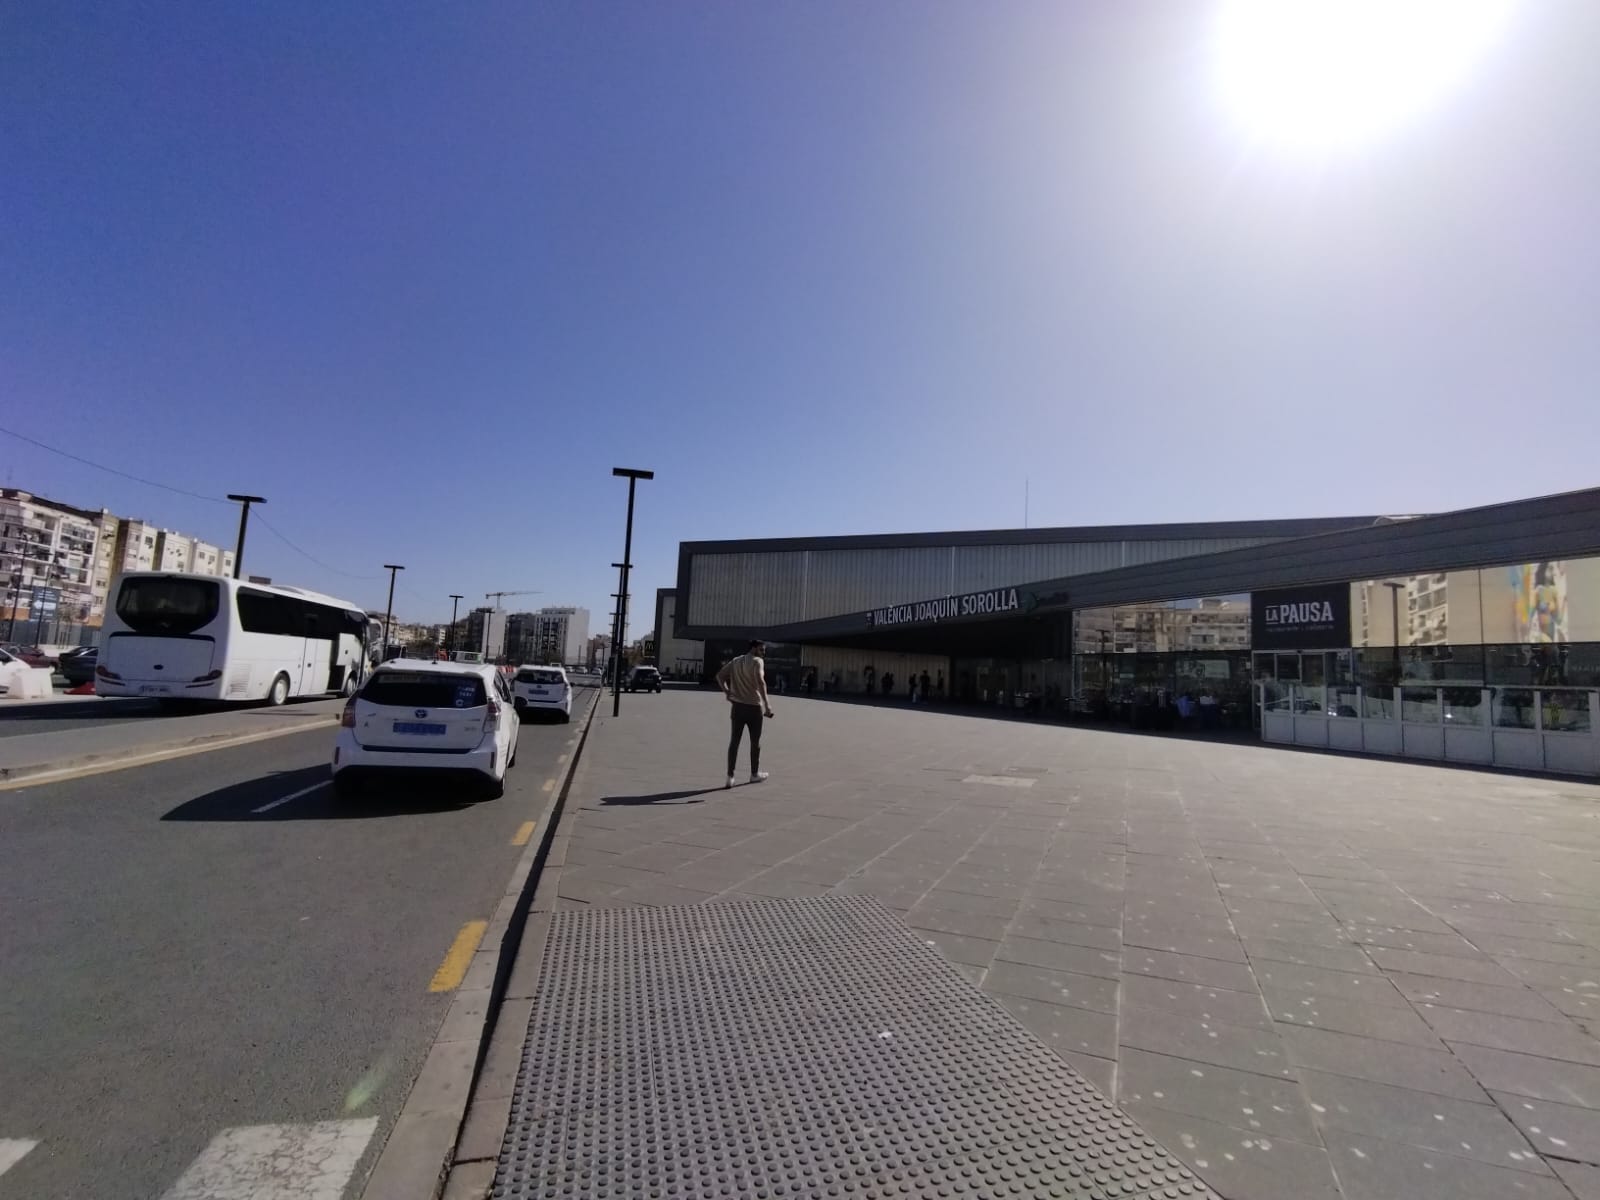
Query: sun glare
x=1323, y=75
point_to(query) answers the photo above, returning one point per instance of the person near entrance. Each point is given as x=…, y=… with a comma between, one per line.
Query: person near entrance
x=743, y=681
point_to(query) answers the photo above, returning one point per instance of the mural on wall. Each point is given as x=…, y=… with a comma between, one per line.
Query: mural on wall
x=1539, y=596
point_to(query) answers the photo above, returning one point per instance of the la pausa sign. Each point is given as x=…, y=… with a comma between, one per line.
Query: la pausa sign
x=1305, y=618
x=924, y=612
x=1307, y=612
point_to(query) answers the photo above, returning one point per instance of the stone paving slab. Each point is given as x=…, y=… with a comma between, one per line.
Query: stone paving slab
x=1306, y=975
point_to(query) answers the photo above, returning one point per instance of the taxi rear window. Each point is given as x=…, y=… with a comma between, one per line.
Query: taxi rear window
x=419, y=689
x=537, y=676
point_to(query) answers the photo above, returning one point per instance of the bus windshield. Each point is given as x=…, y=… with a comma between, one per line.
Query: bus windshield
x=167, y=607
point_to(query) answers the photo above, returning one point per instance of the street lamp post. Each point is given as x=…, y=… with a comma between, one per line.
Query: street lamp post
x=632, y=475
x=26, y=539
x=388, y=613
x=450, y=640
x=244, y=520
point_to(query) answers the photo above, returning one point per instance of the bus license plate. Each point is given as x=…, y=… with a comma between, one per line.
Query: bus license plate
x=155, y=689
x=417, y=727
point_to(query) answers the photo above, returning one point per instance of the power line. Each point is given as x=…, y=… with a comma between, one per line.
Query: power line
x=308, y=555
x=166, y=487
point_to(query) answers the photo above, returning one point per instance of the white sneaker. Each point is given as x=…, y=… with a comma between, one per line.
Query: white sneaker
x=729, y=784
x=757, y=776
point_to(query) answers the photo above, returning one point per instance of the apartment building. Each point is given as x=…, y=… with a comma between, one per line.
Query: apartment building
x=50, y=554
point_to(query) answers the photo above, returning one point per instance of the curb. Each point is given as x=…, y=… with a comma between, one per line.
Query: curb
x=97, y=764
x=477, y=1150
x=420, y=1148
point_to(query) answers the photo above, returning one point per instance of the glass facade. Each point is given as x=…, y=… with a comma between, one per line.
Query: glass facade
x=1506, y=647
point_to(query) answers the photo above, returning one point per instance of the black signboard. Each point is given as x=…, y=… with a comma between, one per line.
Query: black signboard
x=1302, y=618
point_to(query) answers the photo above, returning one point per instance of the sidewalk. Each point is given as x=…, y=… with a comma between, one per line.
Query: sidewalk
x=1305, y=976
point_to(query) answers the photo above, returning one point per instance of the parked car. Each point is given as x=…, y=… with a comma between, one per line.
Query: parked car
x=77, y=666
x=10, y=666
x=542, y=689
x=644, y=679
x=31, y=655
x=413, y=717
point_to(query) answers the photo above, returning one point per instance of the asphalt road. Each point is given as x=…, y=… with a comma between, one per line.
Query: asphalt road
x=179, y=960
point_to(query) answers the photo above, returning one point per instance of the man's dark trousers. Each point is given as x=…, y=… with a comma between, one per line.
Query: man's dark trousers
x=741, y=717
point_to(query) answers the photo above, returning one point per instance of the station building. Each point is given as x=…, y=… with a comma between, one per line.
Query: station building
x=1469, y=636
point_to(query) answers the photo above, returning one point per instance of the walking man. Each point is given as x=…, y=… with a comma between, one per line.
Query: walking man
x=743, y=681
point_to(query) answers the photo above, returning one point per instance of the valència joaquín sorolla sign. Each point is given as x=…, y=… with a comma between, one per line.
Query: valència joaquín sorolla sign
x=993, y=602
x=1305, y=618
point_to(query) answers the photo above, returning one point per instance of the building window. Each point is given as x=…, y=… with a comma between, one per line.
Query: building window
x=1513, y=708
x=1566, y=712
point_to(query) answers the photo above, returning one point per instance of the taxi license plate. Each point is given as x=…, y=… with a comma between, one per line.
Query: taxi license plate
x=417, y=727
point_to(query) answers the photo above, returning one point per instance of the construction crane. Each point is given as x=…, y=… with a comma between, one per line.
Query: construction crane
x=499, y=596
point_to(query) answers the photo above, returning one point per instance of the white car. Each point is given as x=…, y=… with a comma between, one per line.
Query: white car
x=413, y=716
x=543, y=689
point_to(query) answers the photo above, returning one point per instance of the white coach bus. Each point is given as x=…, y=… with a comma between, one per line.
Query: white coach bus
x=181, y=637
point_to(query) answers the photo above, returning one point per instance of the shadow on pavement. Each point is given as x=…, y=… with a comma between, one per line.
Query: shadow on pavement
x=660, y=797
x=95, y=711
x=276, y=796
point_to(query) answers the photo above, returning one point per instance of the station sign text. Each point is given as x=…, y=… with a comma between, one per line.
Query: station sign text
x=925, y=612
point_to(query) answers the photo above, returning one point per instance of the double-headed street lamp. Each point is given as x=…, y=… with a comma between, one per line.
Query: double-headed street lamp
x=633, y=476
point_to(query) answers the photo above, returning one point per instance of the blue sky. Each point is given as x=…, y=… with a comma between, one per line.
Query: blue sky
x=422, y=274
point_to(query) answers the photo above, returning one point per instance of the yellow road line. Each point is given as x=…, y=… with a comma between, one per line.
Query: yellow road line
x=549, y=785
x=454, y=967
x=523, y=834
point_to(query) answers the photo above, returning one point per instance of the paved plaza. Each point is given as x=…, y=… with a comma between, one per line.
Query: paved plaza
x=1306, y=975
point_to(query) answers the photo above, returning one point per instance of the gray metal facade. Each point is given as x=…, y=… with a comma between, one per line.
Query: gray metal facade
x=788, y=581
x=740, y=588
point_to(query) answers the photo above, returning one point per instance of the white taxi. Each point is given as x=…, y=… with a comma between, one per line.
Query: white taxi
x=412, y=717
x=543, y=689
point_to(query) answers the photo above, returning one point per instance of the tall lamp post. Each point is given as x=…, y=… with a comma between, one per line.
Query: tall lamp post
x=388, y=613
x=450, y=641
x=244, y=520
x=26, y=539
x=632, y=475
x=616, y=628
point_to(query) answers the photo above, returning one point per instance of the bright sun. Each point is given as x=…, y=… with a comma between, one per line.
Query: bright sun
x=1323, y=75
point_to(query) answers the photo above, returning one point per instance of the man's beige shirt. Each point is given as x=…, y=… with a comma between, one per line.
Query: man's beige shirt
x=746, y=680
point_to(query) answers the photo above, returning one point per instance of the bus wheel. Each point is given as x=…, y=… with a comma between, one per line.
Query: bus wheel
x=348, y=688
x=279, y=692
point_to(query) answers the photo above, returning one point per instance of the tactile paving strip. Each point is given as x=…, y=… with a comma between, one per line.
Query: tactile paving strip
x=796, y=1048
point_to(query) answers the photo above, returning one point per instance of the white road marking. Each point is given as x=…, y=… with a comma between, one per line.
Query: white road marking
x=12, y=1150
x=272, y=804
x=1000, y=780
x=277, y=1162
